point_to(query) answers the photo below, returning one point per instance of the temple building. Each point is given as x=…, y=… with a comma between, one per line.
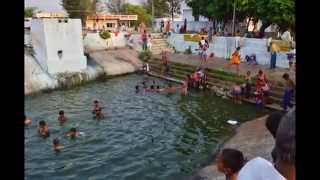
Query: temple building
x=109, y=22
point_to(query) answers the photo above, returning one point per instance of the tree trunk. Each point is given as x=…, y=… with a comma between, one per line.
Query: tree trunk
x=172, y=10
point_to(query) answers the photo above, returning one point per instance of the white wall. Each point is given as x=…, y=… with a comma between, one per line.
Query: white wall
x=93, y=41
x=224, y=46
x=193, y=26
x=49, y=36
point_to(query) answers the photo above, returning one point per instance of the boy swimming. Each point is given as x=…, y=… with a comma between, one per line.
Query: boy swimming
x=236, y=92
x=27, y=122
x=96, y=106
x=98, y=114
x=73, y=133
x=43, y=129
x=56, y=145
x=62, y=119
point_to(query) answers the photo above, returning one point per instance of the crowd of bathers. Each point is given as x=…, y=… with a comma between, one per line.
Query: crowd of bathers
x=44, y=132
x=145, y=87
x=233, y=164
x=262, y=90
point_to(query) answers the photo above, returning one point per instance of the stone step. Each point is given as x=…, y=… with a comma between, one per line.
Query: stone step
x=180, y=74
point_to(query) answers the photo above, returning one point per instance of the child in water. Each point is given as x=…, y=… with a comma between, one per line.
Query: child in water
x=248, y=84
x=98, y=114
x=259, y=98
x=236, y=92
x=96, y=106
x=43, y=129
x=73, y=133
x=56, y=145
x=27, y=122
x=62, y=119
x=137, y=88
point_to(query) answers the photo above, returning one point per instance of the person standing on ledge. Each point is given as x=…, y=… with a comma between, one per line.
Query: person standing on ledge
x=235, y=60
x=274, y=50
x=144, y=38
x=289, y=91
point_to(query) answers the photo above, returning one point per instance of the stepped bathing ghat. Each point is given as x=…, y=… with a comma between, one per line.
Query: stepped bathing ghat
x=145, y=135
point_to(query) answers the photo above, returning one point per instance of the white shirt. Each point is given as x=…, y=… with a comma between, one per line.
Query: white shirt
x=286, y=36
x=259, y=169
x=259, y=25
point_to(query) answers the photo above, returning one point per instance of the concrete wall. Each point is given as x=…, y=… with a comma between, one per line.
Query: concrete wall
x=48, y=36
x=35, y=78
x=93, y=41
x=192, y=26
x=224, y=46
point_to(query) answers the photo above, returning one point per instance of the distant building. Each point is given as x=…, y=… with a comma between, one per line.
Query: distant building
x=187, y=13
x=50, y=15
x=109, y=22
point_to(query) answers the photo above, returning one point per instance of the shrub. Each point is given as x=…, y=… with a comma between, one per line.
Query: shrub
x=104, y=34
x=145, y=55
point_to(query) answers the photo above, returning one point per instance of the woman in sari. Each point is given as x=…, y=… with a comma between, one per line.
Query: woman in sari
x=235, y=60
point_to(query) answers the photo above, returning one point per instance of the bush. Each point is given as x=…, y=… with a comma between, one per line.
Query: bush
x=145, y=55
x=104, y=34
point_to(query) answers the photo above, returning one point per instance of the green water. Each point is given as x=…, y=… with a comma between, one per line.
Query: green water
x=146, y=136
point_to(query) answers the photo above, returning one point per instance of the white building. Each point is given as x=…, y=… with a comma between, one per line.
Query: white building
x=58, y=44
x=187, y=13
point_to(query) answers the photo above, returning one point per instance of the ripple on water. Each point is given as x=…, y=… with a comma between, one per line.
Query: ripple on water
x=144, y=136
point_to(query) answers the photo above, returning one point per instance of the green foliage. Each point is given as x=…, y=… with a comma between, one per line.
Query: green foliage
x=104, y=34
x=145, y=55
x=29, y=11
x=161, y=7
x=113, y=6
x=174, y=7
x=143, y=16
x=281, y=12
x=80, y=8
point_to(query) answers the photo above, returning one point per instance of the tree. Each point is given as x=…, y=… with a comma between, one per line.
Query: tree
x=174, y=7
x=80, y=8
x=143, y=16
x=161, y=7
x=281, y=12
x=29, y=11
x=113, y=6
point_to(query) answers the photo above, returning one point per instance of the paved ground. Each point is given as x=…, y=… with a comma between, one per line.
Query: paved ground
x=252, y=138
x=221, y=64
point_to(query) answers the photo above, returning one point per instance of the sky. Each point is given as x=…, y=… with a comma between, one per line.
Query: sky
x=54, y=5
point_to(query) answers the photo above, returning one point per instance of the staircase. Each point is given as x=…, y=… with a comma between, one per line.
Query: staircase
x=159, y=43
x=216, y=78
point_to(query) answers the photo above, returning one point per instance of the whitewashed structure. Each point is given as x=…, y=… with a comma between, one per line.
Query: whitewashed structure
x=187, y=13
x=58, y=45
x=223, y=47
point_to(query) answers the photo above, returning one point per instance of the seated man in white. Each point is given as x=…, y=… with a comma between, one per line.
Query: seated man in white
x=259, y=169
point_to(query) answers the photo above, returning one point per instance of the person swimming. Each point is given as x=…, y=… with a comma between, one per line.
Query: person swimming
x=62, y=119
x=56, y=145
x=73, y=133
x=98, y=114
x=96, y=105
x=43, y=129
x=137, y=88
x=27, y=122
x=144, y=85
